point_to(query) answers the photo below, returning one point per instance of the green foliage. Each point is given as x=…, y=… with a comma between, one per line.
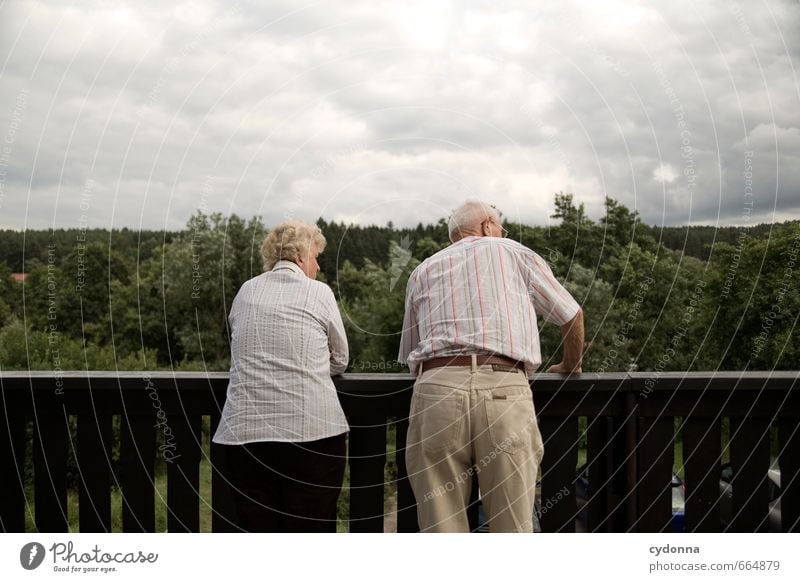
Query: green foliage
x=19, y=248
x=596, y=297
x=26, y=349
x=753, y=295
x=7, y=293
x=425, y=248
x=661, y=299
x=373, y=315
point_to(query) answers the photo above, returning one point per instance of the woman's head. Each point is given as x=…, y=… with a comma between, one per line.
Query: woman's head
x=296, y=241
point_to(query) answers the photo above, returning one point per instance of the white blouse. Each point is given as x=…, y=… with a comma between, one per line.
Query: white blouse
x=287, y=340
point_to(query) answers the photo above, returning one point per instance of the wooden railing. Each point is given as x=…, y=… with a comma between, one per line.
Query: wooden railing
x=633, y=422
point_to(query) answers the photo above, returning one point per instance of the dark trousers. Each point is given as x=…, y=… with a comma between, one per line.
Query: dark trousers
x=287, y=487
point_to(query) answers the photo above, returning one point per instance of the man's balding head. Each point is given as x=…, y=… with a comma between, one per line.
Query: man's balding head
x=467, y=219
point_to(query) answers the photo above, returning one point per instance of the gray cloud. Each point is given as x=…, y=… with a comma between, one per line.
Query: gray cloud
x=371, y=112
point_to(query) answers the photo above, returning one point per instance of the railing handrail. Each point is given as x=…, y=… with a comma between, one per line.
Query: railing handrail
x=670, y=380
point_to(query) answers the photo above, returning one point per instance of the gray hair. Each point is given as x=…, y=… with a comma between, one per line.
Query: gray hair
x=289, y=240
x=471, y=213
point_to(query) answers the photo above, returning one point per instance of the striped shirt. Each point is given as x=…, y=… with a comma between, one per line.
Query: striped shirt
x=287, y=339
x=481, y=295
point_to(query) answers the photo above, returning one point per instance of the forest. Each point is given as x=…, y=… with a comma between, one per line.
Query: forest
x=655, y=298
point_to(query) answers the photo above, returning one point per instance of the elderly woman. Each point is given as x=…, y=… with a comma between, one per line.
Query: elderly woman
x=282, y=424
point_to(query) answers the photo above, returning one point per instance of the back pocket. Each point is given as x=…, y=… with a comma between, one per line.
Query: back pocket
x=438, y=420
x=511, y=418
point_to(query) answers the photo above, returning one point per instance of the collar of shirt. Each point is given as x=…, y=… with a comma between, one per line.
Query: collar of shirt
x=466, y=239
x=288, y=266
x=475, y=239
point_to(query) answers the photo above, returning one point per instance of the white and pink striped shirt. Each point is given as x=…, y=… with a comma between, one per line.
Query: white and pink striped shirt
x=481, y=295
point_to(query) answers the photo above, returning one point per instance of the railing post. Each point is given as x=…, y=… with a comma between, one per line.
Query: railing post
x=367, y=458
x=605, y=454
x=94, y=460
x=558, y=509
x=137, y=467
x=750, y=462
x=223, y=511
x=406, y=504
x=701, y=451
x=183, y=473
x=789, y=460
x=50, y=438
x=655, y=458
x=12, y=464
x=629, y=456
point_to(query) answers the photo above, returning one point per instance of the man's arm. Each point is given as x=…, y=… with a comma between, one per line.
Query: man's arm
x=409, y=336
x=572, y=334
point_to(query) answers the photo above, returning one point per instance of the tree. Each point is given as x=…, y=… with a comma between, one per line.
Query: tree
x=602, y=322
x=190, y=287
x=753, y=294
x=624, y=227
x=8, y=293
x=425, y=247
x=145, y=299
x=89, y=273
x=576, y=236
x=373, y=317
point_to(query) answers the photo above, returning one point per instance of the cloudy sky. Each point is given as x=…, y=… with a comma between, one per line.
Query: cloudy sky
x=133, y=114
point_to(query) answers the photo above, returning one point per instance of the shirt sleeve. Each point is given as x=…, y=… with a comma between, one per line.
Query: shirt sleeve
x=337, y=338
x=409, y=337
x=550, y=299
x=236, y=308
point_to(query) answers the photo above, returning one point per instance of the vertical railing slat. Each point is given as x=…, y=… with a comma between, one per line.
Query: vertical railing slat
x=789, y=462
x=94, y=458
x=598, y=449
x=406, y=504
x=12, y=467
x=367, y=458
x=749, y=442
x=137, y=479
x=474, y=503
x=701, y=461
x=655, y=453
x=50, y=437
x=223, y=511
x=558, y=501
x=183, y=474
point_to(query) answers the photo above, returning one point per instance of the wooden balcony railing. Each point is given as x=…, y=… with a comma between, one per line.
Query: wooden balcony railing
x=633, y=422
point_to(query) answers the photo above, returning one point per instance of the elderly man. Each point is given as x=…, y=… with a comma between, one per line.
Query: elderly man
x=470, y=335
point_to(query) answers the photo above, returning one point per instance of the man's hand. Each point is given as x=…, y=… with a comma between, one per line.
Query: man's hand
x=562, y=368
x=572, y=334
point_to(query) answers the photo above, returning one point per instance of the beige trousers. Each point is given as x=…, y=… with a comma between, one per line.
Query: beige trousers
x=463, y=417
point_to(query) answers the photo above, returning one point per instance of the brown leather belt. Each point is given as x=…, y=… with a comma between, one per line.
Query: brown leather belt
x=467, y=361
